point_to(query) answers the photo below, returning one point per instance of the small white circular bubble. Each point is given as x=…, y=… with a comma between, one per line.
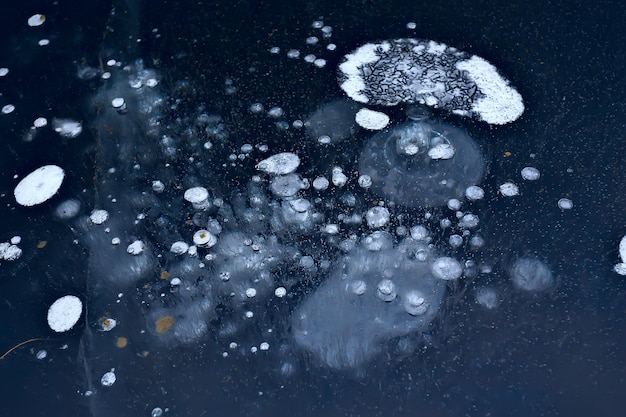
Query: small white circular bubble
x=377, y=217
x=487, y=297
x=530, y=174
x=280, y=292
x=99, y=216
x=156, y=412
x=474, y=193
x=454, y=204
x=411, y=25
x=320, y=183
x=107, y=324
x=275, y=112
x=108, y=378
x=4, y=71
x=36, y=20
x=415, y=303
x=441, y=151
x=531, y=274
x=64, y=313
x=293, y=54
x=339, y=178
x=469, y=221
x=446, y=268
x=324, y=139
x=365, y=181
x=455, y=241
x=264, y=346
x=256, y=108
x=41, y=354
x=508, y=189
x=386, y=290
x=40, y=122
x=158, y=186
x=419, y=232
x=565, y=204
x=204, y=238
x=118, y=103
x=357, y=287
x=39, y=186
x=136, y=248
x=198, y=197
x=250, y=293
x=179, y=248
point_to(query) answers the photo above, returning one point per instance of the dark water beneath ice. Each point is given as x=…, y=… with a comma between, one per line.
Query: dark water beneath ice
x=560, y=352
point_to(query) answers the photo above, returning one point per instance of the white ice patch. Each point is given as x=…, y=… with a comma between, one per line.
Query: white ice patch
x=354, y=84
x=372, y=120
x=39, y=186
x=64, y=313
x=501, y=103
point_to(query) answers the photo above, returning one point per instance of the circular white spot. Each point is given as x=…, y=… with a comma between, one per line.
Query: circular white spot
x=530, y=174
x=108, y=379
x=204, y=238
x=508, y=189
x=446, y=268
x=136, y=248
x=99, y=216
x=565, y=204
x=474, y=193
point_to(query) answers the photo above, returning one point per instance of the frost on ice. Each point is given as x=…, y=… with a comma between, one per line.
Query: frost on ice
x=426, y=72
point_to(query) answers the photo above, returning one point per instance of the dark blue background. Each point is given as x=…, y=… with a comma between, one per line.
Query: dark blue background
x=562, y=355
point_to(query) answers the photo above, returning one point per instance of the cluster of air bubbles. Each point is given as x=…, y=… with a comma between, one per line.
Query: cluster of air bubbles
x=202, y=248
x=10, y=251
x=314, y=42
